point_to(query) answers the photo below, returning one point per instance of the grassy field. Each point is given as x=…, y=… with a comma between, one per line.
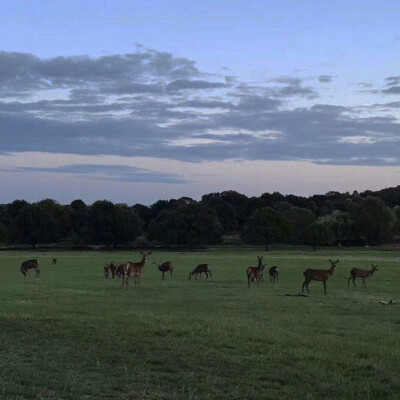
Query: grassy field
x=72, y=334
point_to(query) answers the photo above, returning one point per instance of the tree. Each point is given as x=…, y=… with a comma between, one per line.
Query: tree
x=318, y=233
x=375, y=221
x=60, y=215
x=226, y=212
x=299, y=220
x=396, y=212
x=79, y=212
x=266, y=226
x=190, y=224
x=112, y=224
x=34, y=224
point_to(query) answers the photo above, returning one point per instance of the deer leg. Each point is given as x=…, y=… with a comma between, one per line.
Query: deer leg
x=324, y=282
x=354, y=281
x=277, y=277
x=28, y=273
x=364, y=283
x=37, y=272
x=171, y=273
x=306, y=282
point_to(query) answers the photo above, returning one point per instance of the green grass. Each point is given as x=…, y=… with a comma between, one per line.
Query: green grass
x=72, y=334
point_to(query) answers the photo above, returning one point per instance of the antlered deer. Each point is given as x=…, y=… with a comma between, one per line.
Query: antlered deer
x=165, y=267
x=134, y=269
x=273, y=274
x=321, y=275
x=201, y=268
x=361, y=273
x=254, y=274
x=30, y=264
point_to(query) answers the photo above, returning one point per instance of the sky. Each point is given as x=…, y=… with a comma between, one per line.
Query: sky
x=135, y=101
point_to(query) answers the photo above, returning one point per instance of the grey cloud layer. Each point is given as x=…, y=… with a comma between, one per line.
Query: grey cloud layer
x=152, y=104
x=121, y=173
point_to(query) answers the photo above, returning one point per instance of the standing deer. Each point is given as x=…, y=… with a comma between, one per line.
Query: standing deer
x=255, y=274
x=54, y=260
x=361, y=273
x=30, y=264
x=110, y=269
x=120, y=271
x=134, y=269
x=273, y=274
x=318, y=275
x=201, y=268
x=165, y=267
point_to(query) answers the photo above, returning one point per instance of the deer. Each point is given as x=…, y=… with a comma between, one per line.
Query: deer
x=273, y=274
x=30, y=264
x=134, y=269
x=120, y=271
x=110, y=268
x=165, y=267
x=201, y=268
x=54, y=261
x=255, y=274
x=361, y=273
x=318, y=275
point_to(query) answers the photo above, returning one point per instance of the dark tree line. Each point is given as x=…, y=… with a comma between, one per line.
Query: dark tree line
x=330, y=219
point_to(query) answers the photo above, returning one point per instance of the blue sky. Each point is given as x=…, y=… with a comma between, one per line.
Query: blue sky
x=139, y=100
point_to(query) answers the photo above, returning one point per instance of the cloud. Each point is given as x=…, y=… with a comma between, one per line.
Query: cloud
x=392, y=90
x=293, y=88
x=152, y=104
x=21, y=73
x=121, y=173
x=325, y=78
x=182, y=84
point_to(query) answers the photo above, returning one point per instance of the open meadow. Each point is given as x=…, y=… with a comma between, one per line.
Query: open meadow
x=72, y=334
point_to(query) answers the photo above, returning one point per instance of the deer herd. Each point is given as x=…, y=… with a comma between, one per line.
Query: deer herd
x=255, y=275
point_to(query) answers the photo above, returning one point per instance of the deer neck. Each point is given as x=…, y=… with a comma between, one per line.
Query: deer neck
x=143, y=262
x=331, y=271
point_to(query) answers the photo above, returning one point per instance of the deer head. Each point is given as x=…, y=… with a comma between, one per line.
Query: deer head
x=333, y=263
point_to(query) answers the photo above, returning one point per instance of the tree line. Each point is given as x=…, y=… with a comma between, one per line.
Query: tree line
x=330, y=219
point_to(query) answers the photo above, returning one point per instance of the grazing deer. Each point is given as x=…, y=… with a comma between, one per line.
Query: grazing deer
x=321, y=275
x=54, y=260
x=255, y=274
x=361, y=273
x=30, y=264
x=201, y=268
x=273, y=274
x=134, y=269
x=165, y=267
